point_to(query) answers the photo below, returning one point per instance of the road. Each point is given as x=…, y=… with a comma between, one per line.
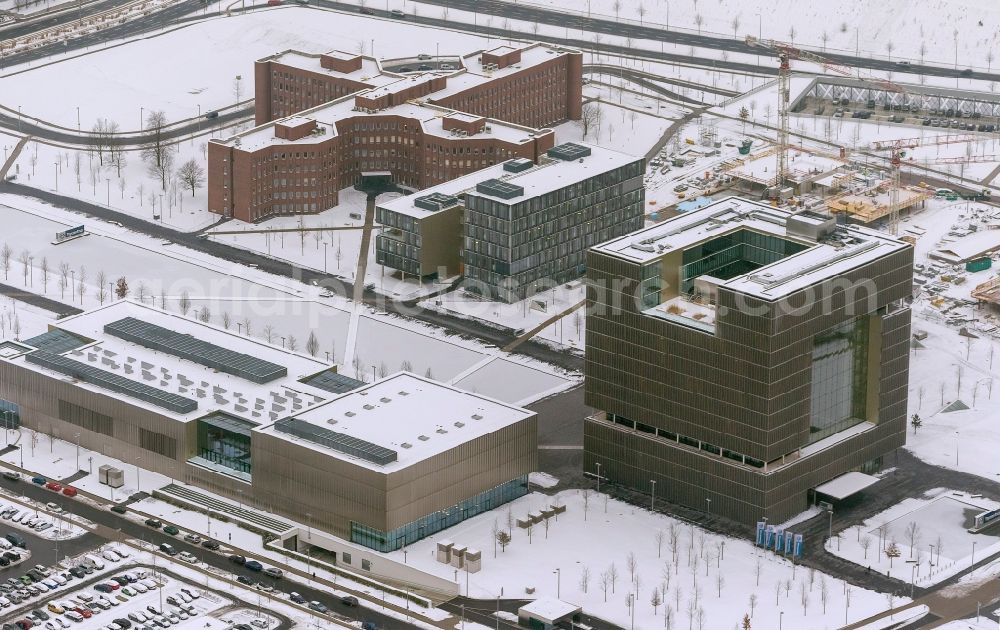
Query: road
x=34, y=24
x=116, y=523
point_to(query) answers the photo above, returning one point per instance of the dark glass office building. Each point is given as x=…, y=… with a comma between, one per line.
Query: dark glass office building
x=742, y=355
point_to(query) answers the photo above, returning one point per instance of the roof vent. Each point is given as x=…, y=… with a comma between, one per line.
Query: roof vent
x=350, y=414
x=385, y=400
x=459, y=424
x=406, y=445
x=369, y=407
x=476, y=416
x=442, y=430
x=331, y=421
x=423, y=438
x=404, y=393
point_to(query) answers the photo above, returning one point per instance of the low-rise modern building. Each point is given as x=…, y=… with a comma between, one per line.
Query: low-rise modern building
x=516, y=227
x=380, y=464
x=742, y=355
x=324, y=120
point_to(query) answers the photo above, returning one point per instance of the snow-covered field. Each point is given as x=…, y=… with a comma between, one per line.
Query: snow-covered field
x=894, y=30
x=701, y=575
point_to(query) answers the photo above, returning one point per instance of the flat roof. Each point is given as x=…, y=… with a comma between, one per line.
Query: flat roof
x=540, y=179
x=847, y=248
x=115, y=363
x=371, y=71
x=548, y=609
x=847, y=484
x=409, y=416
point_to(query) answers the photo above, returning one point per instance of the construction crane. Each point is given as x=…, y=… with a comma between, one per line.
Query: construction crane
x=787, y=52
x=897, y=151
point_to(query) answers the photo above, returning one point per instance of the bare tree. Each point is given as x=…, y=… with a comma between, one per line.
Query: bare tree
x=312, y=344
x=866, y=543
x=642, y=13
x=617, y=6
x=605, y=583
x=736, y=25
x=184, y=303
x=81, y=282
x=504, y=539
x=161, y=168
x=655, y=600
x=913, y=535
x=584, y=575
x=804, y=597
x=660, y=535
x=156, y=146
x=590, y=116
x=204, y=315
x=293, y=343
x=632, y=563
x=45, y=274
x=720, y=581
x=824, y=593
x=824, y=37
x=5, y=253
x=791, y=34
x=268, y=333
x=757, y=569
x=613, y=572
x=192, y=175
x=25, y=259
x=227, y=320
x=698, y=21
x=116, y=151
x=63, y=279
x=753, y=602
x=140, y=292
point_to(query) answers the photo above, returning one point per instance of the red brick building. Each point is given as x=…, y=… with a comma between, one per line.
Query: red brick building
x=325, y=119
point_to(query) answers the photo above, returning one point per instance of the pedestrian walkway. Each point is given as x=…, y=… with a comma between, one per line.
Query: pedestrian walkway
x=13, y=156
x=539, y=328
x=175, y=493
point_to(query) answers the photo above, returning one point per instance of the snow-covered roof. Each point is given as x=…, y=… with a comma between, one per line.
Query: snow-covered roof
x=474, y=75
x=405, y=414
x=548, y=609
x=848, y=247
x=428, y=116
x=209, y=387
x=370, y=72
x=550, y=175
x=847, y=484
x=969, y=247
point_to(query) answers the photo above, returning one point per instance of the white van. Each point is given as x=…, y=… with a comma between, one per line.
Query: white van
x=94, y=562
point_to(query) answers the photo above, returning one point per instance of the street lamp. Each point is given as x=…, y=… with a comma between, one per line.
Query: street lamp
x=652, y=494
x=973, y=553
x=558, y=573
x=598, y=464
x=77, y=435
x=57, y=175
x=708, y=501
x=138, y=486
x=830, y=534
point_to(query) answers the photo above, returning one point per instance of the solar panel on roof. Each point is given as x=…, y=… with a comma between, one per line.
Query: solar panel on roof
x=568, y=151
x=333, y=382
x=436, y=201
x=340, y=442
x=202, y=352
x=56, y=341
x=110, y=381
x=499, y=188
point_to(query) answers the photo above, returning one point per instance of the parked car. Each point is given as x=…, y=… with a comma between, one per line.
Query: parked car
x=399, y=15
x=38, y=481
x=295, y=597
x=53, y=486
x=172, y=530
x=349, y=600
x=119, y=509
x=168, y=549
x=13, y=476
x=274, y=3
x=194, y=539
x=242, y=579
x=367, y=11
x=318, y=607
x=253, y=565
x=237, y=559
x=273, y=572
x=187, y=556
x=210, y=544
x=70, y=491
x=16, y=540
x=154, y=522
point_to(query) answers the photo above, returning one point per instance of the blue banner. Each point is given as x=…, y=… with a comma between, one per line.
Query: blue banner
x=760, y=533
x=788, y=542
x=798, y=545
x=768, y=535
x=779, y=539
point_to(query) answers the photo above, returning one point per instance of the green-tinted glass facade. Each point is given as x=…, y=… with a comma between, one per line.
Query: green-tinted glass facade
x=10, y=414
x=839, y=379
x=225, y=441
x=734, y=254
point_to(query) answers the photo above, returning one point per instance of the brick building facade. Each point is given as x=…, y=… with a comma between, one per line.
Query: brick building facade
x=323, y=120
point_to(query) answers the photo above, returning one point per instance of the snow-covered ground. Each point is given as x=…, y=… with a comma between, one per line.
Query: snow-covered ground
x=702, y=574
x=938, y=523
x=19, y=320
x=889, y=29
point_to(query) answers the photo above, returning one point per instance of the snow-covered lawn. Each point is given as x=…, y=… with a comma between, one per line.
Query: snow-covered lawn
x=701, y=572
x=939, y=520
x=631, y=131
x=21, y=321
